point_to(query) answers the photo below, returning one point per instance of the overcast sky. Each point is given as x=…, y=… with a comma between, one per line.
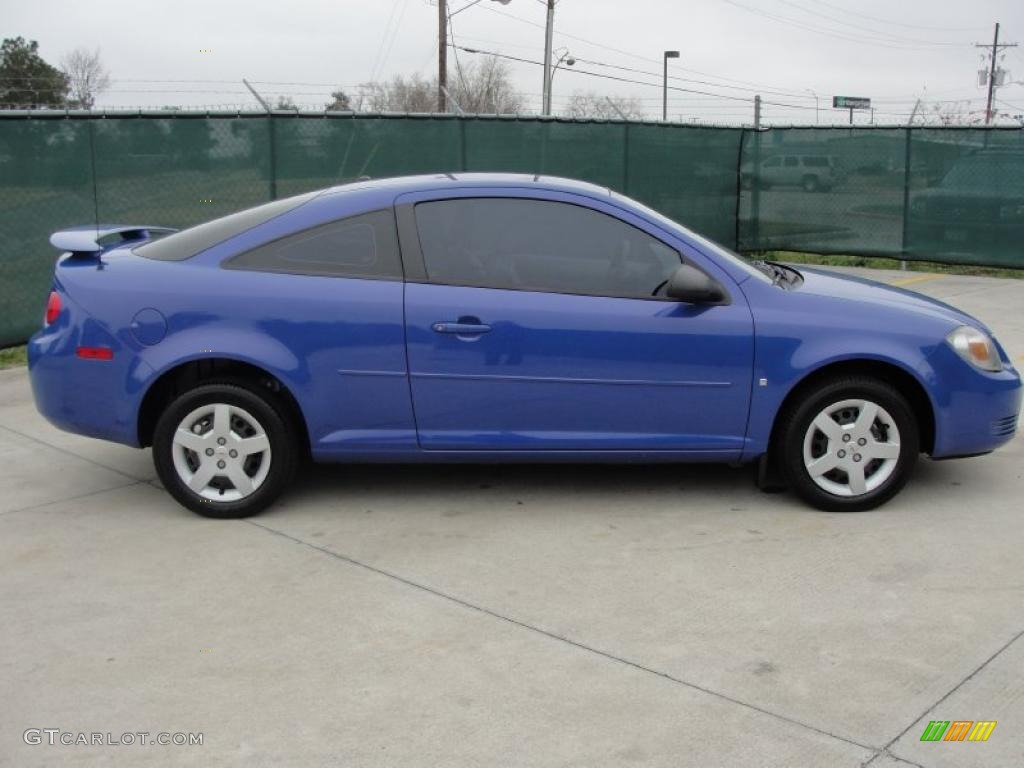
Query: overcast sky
x=893, y=52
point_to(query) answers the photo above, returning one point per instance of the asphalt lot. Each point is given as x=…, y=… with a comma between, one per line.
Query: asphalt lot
x=527, y=616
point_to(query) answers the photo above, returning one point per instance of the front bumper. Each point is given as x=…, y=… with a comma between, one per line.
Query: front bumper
x=975, y=411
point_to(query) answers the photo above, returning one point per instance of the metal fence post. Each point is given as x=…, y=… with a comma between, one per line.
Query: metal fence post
x=625, y=160
x=272, y=131
x=755, y=192
x=462, y=142
x=739, y=191
x=906, y=197
x=92, y=169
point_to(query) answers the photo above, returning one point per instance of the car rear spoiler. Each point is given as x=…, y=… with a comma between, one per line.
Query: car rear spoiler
x=85, y=240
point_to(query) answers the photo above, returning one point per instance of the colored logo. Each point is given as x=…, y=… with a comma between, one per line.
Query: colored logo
x=958, y=730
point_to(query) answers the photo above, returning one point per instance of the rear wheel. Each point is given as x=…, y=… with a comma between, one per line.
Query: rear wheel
x=811, y=184
x=850, y=445
x=224, y=451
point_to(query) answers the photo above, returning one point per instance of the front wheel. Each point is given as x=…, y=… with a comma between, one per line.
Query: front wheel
x=224, y=451
x=850, y=445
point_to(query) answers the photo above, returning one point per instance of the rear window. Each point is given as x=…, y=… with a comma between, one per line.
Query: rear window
x=816, y=162
x=187, y=243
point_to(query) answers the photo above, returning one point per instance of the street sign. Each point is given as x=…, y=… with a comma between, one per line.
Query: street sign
x=850, y=102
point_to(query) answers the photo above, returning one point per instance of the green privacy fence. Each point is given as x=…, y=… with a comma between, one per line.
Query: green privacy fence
x=941, y=194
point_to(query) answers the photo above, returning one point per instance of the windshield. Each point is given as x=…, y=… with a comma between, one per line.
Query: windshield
x=709, y=245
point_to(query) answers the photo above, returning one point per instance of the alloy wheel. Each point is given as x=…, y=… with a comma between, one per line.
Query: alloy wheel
x=851, y=447
x=221, y=452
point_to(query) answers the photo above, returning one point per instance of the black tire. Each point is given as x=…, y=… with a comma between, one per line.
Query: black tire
x=797, y=418
x=811, y=184
x=271, y=416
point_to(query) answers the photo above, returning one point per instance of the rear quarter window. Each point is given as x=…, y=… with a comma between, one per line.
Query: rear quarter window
x=359, y=246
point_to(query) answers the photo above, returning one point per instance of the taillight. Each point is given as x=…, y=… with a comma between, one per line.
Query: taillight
x=52, y=307
x=95, y=353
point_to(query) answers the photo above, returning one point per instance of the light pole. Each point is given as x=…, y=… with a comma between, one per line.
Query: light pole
x=816, y=118
x=664, y=85
x=549, y=30
x=443, y=20
x=569, y=61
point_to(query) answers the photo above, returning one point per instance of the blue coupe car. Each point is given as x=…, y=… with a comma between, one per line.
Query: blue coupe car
x=498, y=318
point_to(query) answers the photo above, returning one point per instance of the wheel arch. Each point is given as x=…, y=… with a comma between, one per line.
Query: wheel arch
x=905, y=382
x=192, y=373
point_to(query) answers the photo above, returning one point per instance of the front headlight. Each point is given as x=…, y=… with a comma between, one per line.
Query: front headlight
x=976, y=348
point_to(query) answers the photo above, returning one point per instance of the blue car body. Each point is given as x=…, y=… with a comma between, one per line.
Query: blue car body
x=380, y=370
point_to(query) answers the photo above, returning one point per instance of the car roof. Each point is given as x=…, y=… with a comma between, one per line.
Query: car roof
x=252, y=226
x=398, y=185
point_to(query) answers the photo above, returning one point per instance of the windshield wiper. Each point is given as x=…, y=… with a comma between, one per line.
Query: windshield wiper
x=774, y=271
x=786, y=273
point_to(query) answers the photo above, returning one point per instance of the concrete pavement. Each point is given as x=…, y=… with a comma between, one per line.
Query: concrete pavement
x=533, y=616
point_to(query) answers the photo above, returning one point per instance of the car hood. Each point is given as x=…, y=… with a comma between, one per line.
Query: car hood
x=870, y=292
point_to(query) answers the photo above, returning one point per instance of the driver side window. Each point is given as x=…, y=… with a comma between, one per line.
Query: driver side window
x=540, y=245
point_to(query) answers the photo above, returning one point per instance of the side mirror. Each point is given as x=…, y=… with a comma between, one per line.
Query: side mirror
x=691, y=285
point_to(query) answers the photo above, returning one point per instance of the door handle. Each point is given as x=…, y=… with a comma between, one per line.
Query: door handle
x=461, y=329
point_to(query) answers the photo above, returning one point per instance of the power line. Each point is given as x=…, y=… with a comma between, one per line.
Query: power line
x=691, y=80
x=578, y=71
x=394, y=34
x=455, y=52
x=560, y=33
x=830, y=17
x=884, y=43
x=898, y=23
x=384, y=38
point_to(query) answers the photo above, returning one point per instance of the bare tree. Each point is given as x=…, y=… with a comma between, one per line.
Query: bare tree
x=483, y=86
x=86, y=76
x=590, y=104
x=399, y=94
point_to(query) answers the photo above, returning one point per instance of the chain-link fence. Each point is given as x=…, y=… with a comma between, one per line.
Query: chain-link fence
x=952, y=195
x=941, y=194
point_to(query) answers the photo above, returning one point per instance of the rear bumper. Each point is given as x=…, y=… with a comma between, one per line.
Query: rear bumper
x=978, y=412
x=95, y=398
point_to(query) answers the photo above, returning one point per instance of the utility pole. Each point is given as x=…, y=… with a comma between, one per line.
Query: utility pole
x=549, y=29
x=757, y=112
x=993, y=72
x=442, y=55
x=992, y=76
